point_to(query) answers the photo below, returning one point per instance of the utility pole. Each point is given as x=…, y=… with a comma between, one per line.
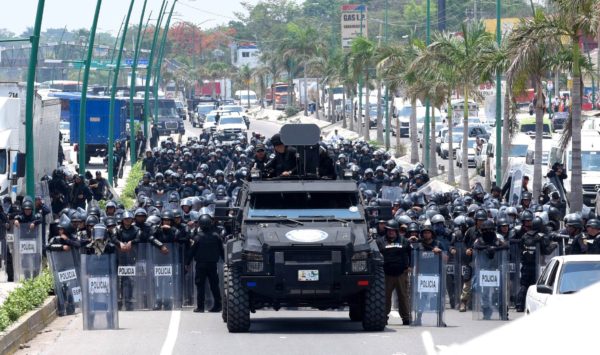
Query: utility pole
x=29, y=144
x=86, y=76
x=132, y=88
x=113, y=92
x=161, y=54
x=359, y=115
x=387, y=90
x=149, y=67
x=498, y=101
x=426, y=124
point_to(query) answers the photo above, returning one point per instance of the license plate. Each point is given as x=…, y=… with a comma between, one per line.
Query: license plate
x=308, y=275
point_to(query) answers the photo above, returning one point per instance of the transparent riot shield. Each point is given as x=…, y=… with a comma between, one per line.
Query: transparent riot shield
x=173, y=201
x=66, y=281
x=391, y=193
x=188, y=280
x=514, y=270
x=428, y=288
x=514, y=199
x=164, y=197
x=166, y=278
x=490, y=284
x=42, y=190
x=27, y=256
x=3, y=253
x=99, y=286
x=133, y=286
x=454, y=280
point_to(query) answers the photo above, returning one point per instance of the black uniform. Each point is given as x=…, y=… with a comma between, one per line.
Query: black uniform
x=285, y=161
x=206, y=252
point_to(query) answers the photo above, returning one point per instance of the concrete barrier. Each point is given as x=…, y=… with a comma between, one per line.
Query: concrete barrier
x=28, y=326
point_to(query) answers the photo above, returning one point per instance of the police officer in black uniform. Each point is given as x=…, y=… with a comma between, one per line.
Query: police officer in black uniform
x=285, y=161
x=206, y=251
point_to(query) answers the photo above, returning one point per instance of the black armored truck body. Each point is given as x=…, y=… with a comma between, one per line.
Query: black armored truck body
x=302, y=242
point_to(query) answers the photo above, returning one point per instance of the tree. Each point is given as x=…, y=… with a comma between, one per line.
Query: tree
x=245, y=76
x=362, y=55
x=531, y=56
x=464, y=54
x=301, y=44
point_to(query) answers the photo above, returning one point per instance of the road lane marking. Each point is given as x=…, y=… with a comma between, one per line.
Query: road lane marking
x=169, y=344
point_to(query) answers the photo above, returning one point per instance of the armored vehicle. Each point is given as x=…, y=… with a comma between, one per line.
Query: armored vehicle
x=302, y=241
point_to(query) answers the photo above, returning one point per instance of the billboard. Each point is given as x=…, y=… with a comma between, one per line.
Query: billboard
x=354, y=23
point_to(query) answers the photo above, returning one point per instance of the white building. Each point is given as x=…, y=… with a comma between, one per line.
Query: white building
x=245, y=54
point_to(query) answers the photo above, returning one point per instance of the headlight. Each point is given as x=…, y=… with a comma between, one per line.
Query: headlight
x=254, y=262
x=360, y=262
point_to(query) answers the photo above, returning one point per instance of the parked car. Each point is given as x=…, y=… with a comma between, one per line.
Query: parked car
x=200, y=115
x=563, y=276
x=471, y=145
x=445, y=146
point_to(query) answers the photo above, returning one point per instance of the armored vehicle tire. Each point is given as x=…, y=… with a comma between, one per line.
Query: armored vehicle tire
x=225, y=286
x=356, y=313
x=374, y=316
x=238, y=304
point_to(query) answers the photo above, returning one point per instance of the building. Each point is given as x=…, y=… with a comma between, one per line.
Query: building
x=245, y=54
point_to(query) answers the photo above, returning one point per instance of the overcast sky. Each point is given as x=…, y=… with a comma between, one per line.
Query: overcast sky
x=79, y=13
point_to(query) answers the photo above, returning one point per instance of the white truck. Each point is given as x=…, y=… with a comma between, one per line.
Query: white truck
x=46, y=121
x=590, y=166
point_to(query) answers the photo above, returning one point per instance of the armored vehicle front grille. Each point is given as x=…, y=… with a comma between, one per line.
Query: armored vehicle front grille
x=308, y=256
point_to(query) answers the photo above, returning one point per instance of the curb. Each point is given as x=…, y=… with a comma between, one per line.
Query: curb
x=28, y=326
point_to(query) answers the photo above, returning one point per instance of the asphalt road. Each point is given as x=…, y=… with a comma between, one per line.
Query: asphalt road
x=302, y=331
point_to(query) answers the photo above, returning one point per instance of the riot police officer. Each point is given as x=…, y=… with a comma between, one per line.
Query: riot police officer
x=207, y=250
x=396, y=251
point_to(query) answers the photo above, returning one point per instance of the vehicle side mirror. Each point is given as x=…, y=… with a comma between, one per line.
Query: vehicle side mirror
x=544, y=289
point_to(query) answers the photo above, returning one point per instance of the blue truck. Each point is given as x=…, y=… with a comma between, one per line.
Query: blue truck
x=97, y=115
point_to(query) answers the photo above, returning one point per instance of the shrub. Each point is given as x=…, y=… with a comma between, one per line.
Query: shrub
x=23, y=299
x=292, y=110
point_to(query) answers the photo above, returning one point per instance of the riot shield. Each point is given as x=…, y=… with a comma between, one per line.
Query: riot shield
x=490, y=284
x=133, y=286
x=164, y=198
x=188, y=280
x=166, y=278
x=42, y=190
x=454, y=279
x=27, y=256
x=66, y=281
x=99, y=291
x=428, y=288
x=514, y=199
x=173, y=201
x=391, y=193
x=3, y=253
x=514, y=270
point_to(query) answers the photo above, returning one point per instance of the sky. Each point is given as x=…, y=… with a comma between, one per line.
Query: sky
x=77, y=14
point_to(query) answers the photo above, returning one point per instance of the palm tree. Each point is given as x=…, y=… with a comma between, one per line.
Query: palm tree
x=464, y=53
x=301, y=44
x=245, y=76
x=273, y=61
x=394, y=64
x=350, y=82
x=574, y=19
x=362, y=55
x=531, y=56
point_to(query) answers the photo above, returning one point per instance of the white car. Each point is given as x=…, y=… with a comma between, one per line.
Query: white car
x=65, y=129
x=471, y=145
x=445, y=145
x=230, y=126
x=564, y=275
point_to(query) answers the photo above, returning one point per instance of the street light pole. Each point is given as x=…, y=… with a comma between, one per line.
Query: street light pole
x=426, y=123
x=86, y=75
x=113, y=92
x=149, y=67
x=132, y=87
x=161, y=54
x=387, y=90
x=498, y=103
x=29, y=144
